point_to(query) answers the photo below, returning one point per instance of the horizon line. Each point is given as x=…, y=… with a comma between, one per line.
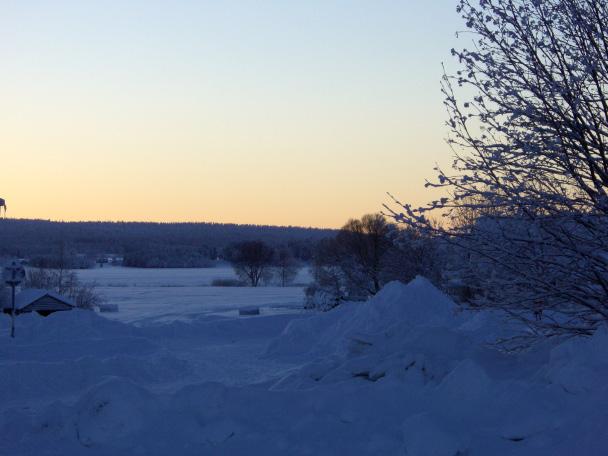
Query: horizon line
x=151, y=222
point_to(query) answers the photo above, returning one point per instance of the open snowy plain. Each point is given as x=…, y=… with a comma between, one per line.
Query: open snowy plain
x=146, y=295
x=405, y=373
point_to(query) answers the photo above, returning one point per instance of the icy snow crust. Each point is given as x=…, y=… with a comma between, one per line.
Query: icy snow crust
x=404, y=373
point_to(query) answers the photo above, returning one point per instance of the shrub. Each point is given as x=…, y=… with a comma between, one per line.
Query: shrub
x=227, y=283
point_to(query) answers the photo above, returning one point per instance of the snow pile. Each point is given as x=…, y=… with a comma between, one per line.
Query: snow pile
x=397, y=304
x=405, y=326
x=580, y=365
x=68, y=352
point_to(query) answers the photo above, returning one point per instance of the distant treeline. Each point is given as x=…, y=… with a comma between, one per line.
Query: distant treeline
x=142, y=244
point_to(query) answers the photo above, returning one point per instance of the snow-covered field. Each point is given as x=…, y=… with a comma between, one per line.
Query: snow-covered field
x=168, y=294
x=116, y=276
x=404, y=374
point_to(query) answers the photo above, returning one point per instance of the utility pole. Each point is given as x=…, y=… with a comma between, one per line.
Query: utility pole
x=13, y=274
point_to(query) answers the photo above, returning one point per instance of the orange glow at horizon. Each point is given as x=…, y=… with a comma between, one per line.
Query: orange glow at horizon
x=199, y=113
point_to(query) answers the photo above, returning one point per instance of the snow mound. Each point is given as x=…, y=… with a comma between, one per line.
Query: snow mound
x=427, y=436
x=580, y=365
x=354, y=326
x=75, y=324
x=418, y=303
x=403, y=325
x=23, y=379
x=70, y=335
x=68, y=352
x=111, y=411
x=467, y=380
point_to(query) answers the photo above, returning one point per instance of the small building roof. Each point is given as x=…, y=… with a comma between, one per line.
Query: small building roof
x=30, y=295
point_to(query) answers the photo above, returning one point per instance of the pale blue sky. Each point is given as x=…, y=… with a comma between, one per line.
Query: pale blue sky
x=254, y=112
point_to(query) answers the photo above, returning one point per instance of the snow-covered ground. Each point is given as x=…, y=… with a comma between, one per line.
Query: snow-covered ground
x=145, y=295
x=117, y=276
x=405, y=373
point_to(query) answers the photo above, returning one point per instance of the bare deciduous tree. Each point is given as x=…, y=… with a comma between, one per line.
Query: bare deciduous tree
x=349, y=266
x=330, y=285
x=413, y=253
x=251, y=261
x=64, y=282
x=365, y=255
x=285, y=266
x=364, y=243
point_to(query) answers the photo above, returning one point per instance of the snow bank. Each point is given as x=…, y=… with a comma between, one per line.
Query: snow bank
x=403, y=325
x=580, y=365
x=353, y=325
x=35, y=380
x=111, y=411
x=67, y=352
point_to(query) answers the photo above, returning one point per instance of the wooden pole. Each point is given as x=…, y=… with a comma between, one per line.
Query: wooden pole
x=13, y=313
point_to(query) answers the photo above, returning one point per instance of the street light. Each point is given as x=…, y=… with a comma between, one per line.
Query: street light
x=13, y=275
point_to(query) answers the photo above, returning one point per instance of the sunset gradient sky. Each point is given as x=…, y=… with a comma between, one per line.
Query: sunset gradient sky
x=269, y=112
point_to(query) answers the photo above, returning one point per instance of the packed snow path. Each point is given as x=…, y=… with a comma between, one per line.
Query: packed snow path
x=403, y=374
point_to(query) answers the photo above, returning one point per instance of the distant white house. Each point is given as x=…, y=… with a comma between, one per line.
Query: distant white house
x=44, y=302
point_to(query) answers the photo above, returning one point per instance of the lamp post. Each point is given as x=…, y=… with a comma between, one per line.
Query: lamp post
x=13, y=275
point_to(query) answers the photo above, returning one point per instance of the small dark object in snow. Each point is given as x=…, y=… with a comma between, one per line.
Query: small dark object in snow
x=515, y=439
x=249, y=311
x=369, y=376
x=108, y=307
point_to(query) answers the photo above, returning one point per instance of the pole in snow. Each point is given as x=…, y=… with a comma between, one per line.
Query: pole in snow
x=13, y=275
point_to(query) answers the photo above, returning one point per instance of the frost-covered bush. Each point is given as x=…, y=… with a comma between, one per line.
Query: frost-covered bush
x=528, y=114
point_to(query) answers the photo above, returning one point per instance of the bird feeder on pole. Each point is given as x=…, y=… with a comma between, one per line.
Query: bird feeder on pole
x=13, y=275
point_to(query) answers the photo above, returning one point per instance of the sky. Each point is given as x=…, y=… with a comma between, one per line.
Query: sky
x=265, y=112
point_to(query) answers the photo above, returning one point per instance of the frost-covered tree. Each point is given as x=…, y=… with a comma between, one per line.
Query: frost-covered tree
x=528, y=115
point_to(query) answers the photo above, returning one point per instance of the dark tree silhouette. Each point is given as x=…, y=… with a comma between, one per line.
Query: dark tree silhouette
x=351, y=265
x=156, y=245
x=251, y=260
x=285, y=266
x=364, y=243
